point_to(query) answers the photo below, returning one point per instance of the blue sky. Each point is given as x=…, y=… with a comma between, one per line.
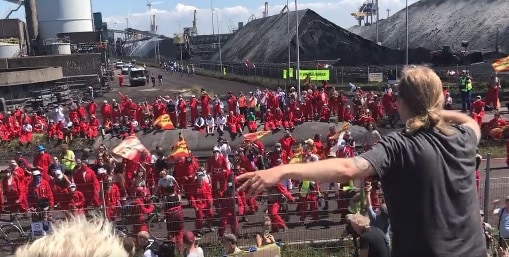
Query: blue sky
x=170, y=12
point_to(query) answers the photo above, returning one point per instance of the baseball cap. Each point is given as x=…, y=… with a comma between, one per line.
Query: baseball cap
x=36, y=173
x=230, y=238
x=188, y=237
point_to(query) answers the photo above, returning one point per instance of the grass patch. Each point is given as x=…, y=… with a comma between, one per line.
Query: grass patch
x=305, y=250
x=496, y=148
x=8, y=149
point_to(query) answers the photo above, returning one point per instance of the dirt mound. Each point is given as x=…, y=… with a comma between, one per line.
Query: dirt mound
x=265, y=40
x=437, y=23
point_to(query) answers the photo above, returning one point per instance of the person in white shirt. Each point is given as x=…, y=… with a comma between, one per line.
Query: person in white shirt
x=59, y=113
x=199, y=123
x=225, y=149
x=220, y=123
x=192, y=248
x=167, y=183
x=209, y=121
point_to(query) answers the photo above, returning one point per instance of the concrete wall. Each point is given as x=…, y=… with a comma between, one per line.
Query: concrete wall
x=29, y=76
x=72, y=65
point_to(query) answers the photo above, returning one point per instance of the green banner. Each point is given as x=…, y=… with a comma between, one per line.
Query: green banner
x=285, y=74
x=290, y=72
x=314, y=74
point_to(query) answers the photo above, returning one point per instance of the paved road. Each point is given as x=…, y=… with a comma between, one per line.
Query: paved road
x=176, y=85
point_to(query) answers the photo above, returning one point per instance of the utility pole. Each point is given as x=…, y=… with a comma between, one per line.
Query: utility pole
x=406, y=49
x=212, y=12
x=289, y=40
x=180, y=44
x=219, y=36
x=377, y=19
x=298, y=47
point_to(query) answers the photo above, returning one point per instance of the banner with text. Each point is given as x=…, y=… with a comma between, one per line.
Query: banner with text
x=314, y=74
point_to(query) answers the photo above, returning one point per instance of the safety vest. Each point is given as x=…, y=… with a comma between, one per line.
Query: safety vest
x=68, y=165
x=304, y=189
x=466, y=84
x=242, y=101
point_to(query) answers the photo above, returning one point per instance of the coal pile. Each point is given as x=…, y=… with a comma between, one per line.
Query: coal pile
x=437, y=23
x=266, y=41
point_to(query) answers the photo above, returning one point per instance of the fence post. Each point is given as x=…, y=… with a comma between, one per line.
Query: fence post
x=103, y=199
x=486, y=198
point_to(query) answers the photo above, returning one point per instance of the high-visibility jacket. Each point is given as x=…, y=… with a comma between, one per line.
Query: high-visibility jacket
x=68, y=165
x=242, y=101
x=466, y=84
x=251, y=103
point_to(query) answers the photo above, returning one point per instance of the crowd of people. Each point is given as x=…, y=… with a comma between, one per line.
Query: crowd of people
x=74, y=185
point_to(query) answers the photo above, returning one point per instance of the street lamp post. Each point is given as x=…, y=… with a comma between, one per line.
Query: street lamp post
x=289, y=40
x=180, y=45
x=212, y=12
x=219, y=36
x=406, y=49
x=298, y=47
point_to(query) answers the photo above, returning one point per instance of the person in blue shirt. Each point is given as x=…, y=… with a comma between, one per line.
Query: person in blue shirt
x=379, y=217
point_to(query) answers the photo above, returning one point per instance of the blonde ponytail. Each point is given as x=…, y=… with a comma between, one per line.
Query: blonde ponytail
x=431, y=119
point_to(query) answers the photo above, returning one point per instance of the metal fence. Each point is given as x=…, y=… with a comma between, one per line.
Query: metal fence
x=320, y=235
x=272, y=73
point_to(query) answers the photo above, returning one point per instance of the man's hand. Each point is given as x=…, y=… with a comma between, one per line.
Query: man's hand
x=257, y=182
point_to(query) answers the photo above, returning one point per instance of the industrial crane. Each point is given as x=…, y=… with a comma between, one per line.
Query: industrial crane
x=367, y=10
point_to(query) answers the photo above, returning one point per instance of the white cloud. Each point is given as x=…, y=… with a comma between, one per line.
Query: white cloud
x=338, y=12
x=150, y=12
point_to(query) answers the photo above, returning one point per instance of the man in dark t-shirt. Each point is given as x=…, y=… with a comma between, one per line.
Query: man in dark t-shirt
x=430, y=192
x=372, y=240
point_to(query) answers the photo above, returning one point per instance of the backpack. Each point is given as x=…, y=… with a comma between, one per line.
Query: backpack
x=163, y=248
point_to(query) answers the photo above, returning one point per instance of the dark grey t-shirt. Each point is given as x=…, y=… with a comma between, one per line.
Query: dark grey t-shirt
x=429, y=185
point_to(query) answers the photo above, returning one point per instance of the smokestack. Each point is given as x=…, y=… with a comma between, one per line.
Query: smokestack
x=32, y=26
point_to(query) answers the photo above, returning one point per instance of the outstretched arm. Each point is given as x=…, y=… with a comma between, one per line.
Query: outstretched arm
x=331, y=170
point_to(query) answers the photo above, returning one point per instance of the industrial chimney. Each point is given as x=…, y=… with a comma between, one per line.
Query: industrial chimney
x=32, y=26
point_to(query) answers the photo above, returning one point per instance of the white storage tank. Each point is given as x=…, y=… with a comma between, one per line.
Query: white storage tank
x=63, y=16
x=8, y=50
x=60, y=48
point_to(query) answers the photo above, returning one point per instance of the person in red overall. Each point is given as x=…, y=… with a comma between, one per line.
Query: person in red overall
x=140, y=207
x=232, y=102
x=202, y=201
x=217, y=167
x=75, y=201
x=91, y=108
x=287, y=142
x=185, y=171
x=204, y=102
x=244, y=165
x=42, y=161
x=193, y=107
x=493, y=91
x=496, y=123
x=4, y=132
x=278, y=154
x=87, y=183
x=231, y=123
x=174, y=218
x=112, y=199
x=274, y=199
x=325, y=114
x=20, y=175
x=348, y=115
x=477, y=110
x=14, y=193
x=93, y=127
x=227, y=211
x=60, y=187
x=288, y=120
x=106, y=111
x=120, y=80
x=182, y=108
x=310, y=204
x=40, y=195
x=278, y=119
